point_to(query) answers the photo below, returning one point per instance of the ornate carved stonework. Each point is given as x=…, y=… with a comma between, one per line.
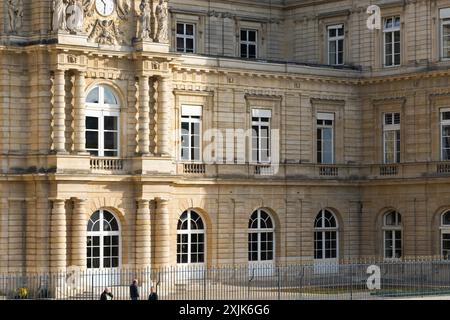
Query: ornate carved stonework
x=109, y=29
x=15, y=14
x=162, y=19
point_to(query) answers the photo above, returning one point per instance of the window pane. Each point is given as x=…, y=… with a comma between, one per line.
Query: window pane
x=93, y=96
x=180, y=44
x=110, y=123
x=190, y=45
x=190, y=29
x=91, y=140
x=111, y=140
x=252, y=51
x=180, y=28
x=243, y=35
x=109, y=97
x=92, y=123
x=252, y=36
x=244, y=51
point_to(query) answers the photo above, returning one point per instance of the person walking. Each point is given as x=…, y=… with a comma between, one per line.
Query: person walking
x=134, y=290
x=153, y=295
x=106, y=295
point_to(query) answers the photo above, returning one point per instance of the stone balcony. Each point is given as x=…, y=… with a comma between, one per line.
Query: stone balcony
x=166, y=167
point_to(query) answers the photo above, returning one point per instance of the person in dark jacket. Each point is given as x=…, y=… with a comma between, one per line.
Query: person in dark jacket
x=134, y=290
x=153, y=295
x=106, y=295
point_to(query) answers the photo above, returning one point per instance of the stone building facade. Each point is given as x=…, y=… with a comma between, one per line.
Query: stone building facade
x=97, y=172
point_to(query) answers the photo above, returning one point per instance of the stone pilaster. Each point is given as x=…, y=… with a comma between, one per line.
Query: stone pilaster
x=30, y=235
x=144, y=116
x=162, y=233
x=79, y=234
x=164, y=115
x=58, y=242
x=4, y=221
x=80, y=113
x=59, y=116
x=143, y=234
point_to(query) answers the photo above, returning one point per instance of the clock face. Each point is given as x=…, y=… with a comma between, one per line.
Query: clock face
x=104, y=7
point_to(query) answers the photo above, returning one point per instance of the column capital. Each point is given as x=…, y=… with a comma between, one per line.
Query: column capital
x=57, y=200
x=143, y=202
x=81, y=201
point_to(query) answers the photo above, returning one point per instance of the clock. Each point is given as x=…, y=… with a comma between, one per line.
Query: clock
x=104, y=7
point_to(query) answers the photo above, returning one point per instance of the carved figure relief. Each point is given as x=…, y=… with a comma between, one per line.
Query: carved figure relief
x=145, y=27
x=75, y=17
x=59, y=15
x=15, y=13
x=162, y=18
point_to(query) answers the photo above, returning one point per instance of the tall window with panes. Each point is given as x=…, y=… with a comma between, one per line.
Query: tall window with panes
x=392, y=42
x=261, y=135
x=249, y=43
x=185, y=37
x=391, y=137
x=325, y=138
x=444, y=16
x=445, y=135
x=191, y=117
x=336, y=38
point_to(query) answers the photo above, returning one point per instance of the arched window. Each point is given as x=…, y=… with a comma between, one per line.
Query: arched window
x=445, y=235
x=260, y=237
x=190, y=238
x=103, y=241
x=392, y=229
x=102, y=122
x=325, y=236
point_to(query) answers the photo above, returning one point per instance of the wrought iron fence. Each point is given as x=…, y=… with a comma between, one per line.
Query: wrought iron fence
x=310, y=281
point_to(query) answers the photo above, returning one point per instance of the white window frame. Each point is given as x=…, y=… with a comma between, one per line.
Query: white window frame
x=444, y=18
x=322, y=230
x=389, y=128
x=445, y=229
x=101, y=110
x=326, y=117
x=247, y=43
x=186, y=36
x=101, y=234
x=393, y=229
x=257, y=115
x=336, y=40
x=392, y=30
x=259, y=231
x=191, y=114
x=443, y=123
x=189, y=232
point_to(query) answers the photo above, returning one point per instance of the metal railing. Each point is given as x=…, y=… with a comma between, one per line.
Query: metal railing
x=309, y=281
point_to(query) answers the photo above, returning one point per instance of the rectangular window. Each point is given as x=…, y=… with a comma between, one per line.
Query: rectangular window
x=249, y=43
x=185, y=37
x=445, y=135
x=325, y=138
x=392, y=42
x=191, y=117
x=336, y=44
x=444, y=16
x=392, y=244
x=391, y=138
x=261, y=135
x=102, y=135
